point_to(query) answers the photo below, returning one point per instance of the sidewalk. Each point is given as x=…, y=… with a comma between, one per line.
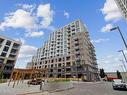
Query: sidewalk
x=21, y=88
x=24, y=89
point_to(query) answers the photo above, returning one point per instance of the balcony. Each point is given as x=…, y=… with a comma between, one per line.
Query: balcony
x=77, y=59
x=1, y=59
x=1, y=40
x=10, y=64
x=3, y=54
x=6, y=49
x=68, y=70
x=16, y=46
x=12, y=56
x=14, y=52
x=75, y=39
x=77, y=53
x=8, y=43
x=7, y=71
x=68, y=64
x=76, y=48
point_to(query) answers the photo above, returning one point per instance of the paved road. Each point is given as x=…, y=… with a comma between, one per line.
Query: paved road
x=102, y=88
x=81, y=88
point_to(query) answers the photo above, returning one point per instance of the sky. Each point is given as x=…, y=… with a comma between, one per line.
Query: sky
x=31, y=21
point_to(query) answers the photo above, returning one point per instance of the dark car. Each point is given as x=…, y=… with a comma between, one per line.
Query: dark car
x=35, y=81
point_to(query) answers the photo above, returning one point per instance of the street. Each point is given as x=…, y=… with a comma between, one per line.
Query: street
x=97, y=88
x=80, y=88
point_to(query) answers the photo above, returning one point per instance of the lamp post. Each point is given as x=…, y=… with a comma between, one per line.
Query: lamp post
x=123, y=55
x=124, y=65
x=117, y=27
x=125, y=75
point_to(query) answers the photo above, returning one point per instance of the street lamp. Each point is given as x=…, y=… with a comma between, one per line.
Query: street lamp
x=123, y=55
x=124, y=65
x=125, y=78
x=117, y=27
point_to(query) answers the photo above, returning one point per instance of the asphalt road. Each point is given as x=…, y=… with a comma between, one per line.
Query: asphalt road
x=98, y=88
x=80, y=88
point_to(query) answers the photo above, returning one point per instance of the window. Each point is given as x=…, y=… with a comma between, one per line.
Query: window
x=8, y=43
x=59, y=70
x=51, y=65
x=68, y=64
x=68, y=58
x=59, y=59
x=45, y=66
x=6, y=49
x=59, y=65
x=3, y=54
x=51, y=70
x=52, y=61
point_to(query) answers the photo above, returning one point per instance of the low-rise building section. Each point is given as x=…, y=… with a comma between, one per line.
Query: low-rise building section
x=67, y=53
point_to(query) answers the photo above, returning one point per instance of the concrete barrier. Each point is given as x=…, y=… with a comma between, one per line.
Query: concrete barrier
x=57, y=86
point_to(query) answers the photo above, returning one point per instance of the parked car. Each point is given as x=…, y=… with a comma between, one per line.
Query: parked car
x=35, y=81
x=119, y=84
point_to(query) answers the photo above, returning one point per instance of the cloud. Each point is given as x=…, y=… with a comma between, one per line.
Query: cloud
x=29, y=20
x=111, y=11
x=66, y=14
x=27, y=7
x=35, y=34
x=18, y=19
x=21, y=40
x=111, y=62
x=46, y=13
x=27, y=51
x=106, y=28
x=25, y=54
x=100, y=40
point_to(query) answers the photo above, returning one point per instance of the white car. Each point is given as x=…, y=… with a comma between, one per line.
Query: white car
x=119, y=84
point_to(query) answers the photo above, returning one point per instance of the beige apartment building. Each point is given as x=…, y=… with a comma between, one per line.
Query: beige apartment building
x=67, y=53
x=122, y=4
x=9, y=50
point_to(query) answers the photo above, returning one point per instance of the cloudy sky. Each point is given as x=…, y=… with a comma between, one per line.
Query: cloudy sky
x=31, y=21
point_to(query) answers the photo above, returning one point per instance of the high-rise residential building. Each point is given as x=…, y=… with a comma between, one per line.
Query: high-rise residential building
x=67, y=53
x=122, y=5
x=8, y=54
x=29, y=65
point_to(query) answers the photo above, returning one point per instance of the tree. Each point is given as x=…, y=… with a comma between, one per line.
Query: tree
x=102, y=73
x=119, y=75
x=1, y=74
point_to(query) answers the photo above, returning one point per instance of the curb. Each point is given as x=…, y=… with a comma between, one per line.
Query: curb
x=29, y=93
x=60, y=90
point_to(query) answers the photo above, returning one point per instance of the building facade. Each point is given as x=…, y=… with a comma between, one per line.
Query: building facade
x=67, y=53
x=29, y=65
x=122, y=4
x=8, y=54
